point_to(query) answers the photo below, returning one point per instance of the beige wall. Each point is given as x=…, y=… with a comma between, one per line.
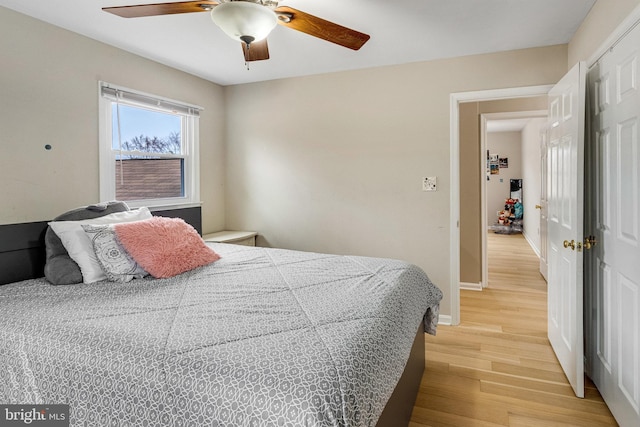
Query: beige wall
x=49, y=95
x=333, y=163
x=471, y=227
x=532, y=179
x=603, y=18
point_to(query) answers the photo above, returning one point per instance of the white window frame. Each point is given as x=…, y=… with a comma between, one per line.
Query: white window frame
x=190, y=137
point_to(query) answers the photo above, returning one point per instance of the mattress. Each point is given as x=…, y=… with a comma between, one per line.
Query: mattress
x=260, y=337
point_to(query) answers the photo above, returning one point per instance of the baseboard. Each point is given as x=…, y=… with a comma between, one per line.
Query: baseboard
x=444, y=319
x=535, y=249
x=471, y=286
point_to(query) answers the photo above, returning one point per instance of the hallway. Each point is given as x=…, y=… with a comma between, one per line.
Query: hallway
x=497, y=367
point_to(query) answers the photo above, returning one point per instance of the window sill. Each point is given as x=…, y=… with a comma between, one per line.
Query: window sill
x=164, y=207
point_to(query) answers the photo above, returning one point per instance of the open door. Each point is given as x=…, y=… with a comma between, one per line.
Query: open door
x=544, y=136
x=565, y=185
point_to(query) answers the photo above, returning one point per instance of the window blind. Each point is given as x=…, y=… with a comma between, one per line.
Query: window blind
x=118, y=94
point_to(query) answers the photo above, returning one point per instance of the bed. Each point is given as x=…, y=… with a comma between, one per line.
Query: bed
x=259, y=337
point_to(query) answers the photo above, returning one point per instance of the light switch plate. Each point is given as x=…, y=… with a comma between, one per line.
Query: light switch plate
x=429, y=183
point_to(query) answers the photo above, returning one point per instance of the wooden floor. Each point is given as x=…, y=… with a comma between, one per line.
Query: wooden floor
x=497, y=367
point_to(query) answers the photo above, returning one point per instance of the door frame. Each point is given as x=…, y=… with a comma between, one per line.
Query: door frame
x=484, y=118
x=455, y=99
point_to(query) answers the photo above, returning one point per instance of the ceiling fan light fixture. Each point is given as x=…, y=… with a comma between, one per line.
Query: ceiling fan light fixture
x=244, y=20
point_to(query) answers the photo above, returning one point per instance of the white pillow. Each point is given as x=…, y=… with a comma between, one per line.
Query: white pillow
x=79, y=246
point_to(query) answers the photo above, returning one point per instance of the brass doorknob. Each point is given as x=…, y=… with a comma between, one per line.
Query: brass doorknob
x=590, y=241
x=538, y=207
x=570, y=244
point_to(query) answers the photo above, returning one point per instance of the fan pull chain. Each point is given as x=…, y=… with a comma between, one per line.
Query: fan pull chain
x=247, y=41
x=246, y=63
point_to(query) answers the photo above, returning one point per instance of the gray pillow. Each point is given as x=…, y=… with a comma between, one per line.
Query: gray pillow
x=59, y=268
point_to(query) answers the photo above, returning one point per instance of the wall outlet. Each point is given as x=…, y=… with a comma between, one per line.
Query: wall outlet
x=429, y=183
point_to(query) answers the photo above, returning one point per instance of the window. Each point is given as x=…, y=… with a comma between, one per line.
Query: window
x=148, y=149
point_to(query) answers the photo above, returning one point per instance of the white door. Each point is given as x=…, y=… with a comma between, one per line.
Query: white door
x=543, y=203
x=613, y=276
x=565, y=173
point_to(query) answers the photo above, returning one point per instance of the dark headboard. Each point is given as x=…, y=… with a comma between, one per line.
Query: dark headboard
x=22, y=251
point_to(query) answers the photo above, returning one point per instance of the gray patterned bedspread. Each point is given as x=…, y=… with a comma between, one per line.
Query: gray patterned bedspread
x=262, y=337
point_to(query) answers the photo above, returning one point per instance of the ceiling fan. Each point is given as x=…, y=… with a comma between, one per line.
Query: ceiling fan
x=251, y=21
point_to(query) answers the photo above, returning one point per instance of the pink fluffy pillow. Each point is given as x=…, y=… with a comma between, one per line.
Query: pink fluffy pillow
x=164, y=247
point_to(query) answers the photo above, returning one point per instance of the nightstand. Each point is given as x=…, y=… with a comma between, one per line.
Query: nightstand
x=246, y=238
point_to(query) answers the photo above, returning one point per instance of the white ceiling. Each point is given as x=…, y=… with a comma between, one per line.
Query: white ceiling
x=402, y=31
x=507, y=125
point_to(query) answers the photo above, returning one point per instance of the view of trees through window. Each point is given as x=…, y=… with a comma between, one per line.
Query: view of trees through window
x=149, y=154
x=154, y=144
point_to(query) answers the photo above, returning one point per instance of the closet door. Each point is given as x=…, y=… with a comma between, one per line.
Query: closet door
x=613, y=272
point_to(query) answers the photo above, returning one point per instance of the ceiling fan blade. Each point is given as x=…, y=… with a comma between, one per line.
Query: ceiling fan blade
x=257, y=51
x=320, y=28
x=141, y=10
